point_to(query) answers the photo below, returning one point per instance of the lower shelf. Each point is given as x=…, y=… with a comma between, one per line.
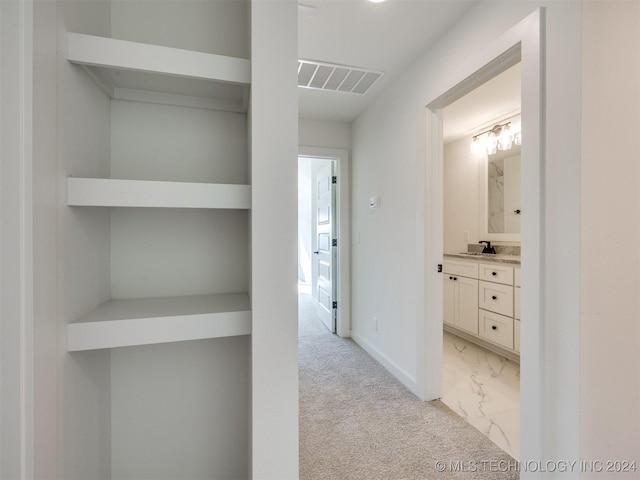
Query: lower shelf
x=123, y=323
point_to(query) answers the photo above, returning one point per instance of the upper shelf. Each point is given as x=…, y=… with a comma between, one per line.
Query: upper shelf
x=147, y=321
x=156, y=74
x=101, y=192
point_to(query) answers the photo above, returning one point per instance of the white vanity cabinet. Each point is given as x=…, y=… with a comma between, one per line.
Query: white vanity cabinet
x=482, y=303
x=461, y=296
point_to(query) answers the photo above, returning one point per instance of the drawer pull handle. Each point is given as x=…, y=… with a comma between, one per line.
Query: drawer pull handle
x=494, y=273
x=494, y=297
x=493, y=327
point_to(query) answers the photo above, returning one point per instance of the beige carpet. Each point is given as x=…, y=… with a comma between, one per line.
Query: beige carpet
x=358, y=422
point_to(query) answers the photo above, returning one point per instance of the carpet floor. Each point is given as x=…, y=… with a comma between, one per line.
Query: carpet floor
x=358, y=422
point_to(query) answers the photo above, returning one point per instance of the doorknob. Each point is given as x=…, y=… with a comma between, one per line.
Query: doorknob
x=317, y=252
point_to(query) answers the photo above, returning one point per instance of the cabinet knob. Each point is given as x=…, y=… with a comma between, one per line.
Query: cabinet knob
x=494, y=273
x=494, y=297
x=493, y=327
x=450, y=278
x=455, y=278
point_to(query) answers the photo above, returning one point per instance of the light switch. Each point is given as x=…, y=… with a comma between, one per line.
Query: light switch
x=374, y=201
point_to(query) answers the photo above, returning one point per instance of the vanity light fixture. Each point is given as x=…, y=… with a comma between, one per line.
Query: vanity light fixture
x=500, y=137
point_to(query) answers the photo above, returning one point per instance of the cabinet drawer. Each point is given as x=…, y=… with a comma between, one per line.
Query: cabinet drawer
x=516, y=277
x=496, y=273
x=464, y=269
x=496, y=298
x=496, y=328
x=516, y=302
x=516, y=335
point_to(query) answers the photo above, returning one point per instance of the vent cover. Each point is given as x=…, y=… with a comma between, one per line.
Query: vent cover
x=337, y=78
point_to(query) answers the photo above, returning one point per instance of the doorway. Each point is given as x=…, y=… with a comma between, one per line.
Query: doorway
x=482, y=208
x=523, y=43
x=324, y=235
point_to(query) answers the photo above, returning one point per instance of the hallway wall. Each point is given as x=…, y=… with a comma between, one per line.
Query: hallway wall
x=610, y=259
x=389, y=148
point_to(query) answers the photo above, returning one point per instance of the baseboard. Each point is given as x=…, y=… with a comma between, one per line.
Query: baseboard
x=404, y=378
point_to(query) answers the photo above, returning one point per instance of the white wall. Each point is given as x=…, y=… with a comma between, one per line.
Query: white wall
x=610, y=259
x=462, y=171
x=389, y=149
x=319, y=133
x=220, y=26
x=274, y=167
x=304, y=220
x=180, y=410
x=83, y=241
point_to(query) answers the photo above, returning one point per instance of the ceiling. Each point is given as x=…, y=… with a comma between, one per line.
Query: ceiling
x=490, y=103
x=385, y=37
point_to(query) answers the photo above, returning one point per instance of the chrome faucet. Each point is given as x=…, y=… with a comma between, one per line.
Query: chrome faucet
x=488, y=248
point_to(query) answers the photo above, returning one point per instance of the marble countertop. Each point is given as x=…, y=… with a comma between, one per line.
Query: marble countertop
x=486, y=257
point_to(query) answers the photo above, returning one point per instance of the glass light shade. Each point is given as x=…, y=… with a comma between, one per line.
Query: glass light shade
x=491, y=144
x=505, y=140
x=477, y=145
x=517, y=138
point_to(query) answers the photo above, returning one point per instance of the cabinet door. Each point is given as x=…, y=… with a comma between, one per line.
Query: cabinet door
x=467, y=304
x=449, y=306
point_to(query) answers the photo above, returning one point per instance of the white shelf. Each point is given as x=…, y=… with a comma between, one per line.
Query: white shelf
x=123, y=323
x=156, y=74
x=100, y=192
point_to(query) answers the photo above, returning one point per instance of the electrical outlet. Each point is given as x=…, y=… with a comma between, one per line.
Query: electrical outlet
x=466, y=236
x=375, y=324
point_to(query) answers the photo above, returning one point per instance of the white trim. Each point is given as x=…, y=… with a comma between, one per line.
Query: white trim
x=406, y=379
x=16, y=240
x=343, y=326
x=524, y=41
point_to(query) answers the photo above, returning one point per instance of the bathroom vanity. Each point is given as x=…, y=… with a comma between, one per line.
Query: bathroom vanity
x=482, y=300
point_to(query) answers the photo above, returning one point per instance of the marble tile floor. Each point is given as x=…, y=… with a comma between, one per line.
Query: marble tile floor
x=484, y=389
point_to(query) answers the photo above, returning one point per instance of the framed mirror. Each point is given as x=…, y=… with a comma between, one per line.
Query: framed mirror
x=500, y=196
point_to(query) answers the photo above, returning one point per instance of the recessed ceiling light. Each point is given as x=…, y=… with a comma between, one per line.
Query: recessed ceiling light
x=376, y=1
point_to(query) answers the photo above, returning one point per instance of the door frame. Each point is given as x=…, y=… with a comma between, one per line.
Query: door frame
x=525, y=43
x=17, y=372
x=343, y=231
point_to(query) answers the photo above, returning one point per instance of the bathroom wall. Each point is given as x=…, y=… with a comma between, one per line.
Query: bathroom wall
x=462, y=171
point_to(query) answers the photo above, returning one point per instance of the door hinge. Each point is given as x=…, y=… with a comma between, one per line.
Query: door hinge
x=335, y=304
x=334, y=179
x=334, y=242
x=439, y=268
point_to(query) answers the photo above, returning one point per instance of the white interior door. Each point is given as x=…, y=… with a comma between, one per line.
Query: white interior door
x=324, y=253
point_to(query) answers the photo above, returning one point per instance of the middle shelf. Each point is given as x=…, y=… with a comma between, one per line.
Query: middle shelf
x=101, y=192
x=145, y=321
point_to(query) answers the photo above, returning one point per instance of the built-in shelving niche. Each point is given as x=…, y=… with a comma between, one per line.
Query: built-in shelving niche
x=153, y=142
x=139, y=72
x=151, y=73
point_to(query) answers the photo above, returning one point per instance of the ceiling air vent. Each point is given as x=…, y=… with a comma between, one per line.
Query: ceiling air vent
x=337, y=78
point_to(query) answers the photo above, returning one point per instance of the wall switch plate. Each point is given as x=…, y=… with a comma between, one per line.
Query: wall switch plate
x=374, y=201
x=375, y=324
